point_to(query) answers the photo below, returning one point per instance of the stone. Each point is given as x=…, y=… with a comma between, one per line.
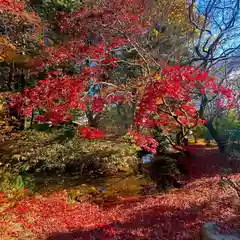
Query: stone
x=211, y=231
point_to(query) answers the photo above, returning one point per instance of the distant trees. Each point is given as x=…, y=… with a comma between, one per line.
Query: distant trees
x=19, y=40
x=216, y=42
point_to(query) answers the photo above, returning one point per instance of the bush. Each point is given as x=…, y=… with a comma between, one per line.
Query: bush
x=5, y=127
x=233, y=148
x=53, y=153
x=201, y=132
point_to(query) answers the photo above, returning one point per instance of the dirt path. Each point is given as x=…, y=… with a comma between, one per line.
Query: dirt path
x=177, y=215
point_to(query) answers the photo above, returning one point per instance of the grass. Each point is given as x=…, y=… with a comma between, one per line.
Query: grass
x=202, y=142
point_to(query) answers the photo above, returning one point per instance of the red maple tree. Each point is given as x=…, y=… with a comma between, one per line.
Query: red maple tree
x=169, y=101
x=60, y=91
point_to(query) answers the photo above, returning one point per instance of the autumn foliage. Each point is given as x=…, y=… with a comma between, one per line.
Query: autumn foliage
x=91, y=133
x=168, y=101
x=20, y=29
x=76, y=75
x=168, y=98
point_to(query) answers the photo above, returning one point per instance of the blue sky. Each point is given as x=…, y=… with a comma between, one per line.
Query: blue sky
x=222, y=14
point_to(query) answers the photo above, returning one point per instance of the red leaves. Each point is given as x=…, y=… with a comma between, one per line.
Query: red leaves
x=202, y=90
x=17, y=10
x=91, y=133
x=146, y=142
x=20, y=209
x=28, y=111
x=55, y=95
x=167, y=98
x=176, y=215
x=40, y=118
x=176, y=88
x=115, y=15
x=13, y=6
x=203, y=122
x=98, y=104
x=59, y=92
x=2, y=198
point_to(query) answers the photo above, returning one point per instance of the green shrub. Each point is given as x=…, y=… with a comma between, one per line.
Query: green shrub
x=44, y=151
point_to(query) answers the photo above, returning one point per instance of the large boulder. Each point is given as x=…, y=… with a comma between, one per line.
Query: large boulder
x=211, y=231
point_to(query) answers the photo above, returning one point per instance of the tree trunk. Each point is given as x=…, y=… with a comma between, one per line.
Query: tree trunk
x=195, y=136
x=219, y=140
x=22, y=80
x=179, y=138
x=32, y=119
x=10, y=77
x=93, y=121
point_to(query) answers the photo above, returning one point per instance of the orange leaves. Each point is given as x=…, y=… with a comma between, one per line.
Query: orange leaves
x=12, y=6
x=159, y=101
x=16, y=10
x=7, y=49
x=158, y=77
x=175, y=12
x=15, y=16
x=5, y=42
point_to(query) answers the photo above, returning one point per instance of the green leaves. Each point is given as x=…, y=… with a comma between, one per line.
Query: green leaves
x=51, y=6
x=226, y=171
x=222, y=69
x=155, y=32
x=19, y=182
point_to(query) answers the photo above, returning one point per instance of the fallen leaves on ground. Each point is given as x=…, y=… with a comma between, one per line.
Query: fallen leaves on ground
x=177, y=215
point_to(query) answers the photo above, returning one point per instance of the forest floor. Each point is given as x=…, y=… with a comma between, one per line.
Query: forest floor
x=177, y=215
